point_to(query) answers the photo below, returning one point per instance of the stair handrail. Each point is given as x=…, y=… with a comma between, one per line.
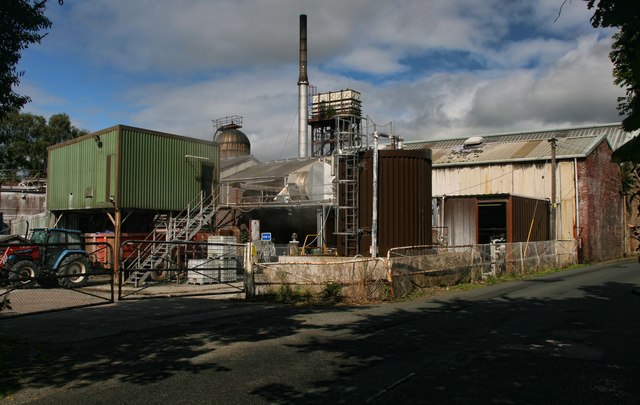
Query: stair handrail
x=146, y=254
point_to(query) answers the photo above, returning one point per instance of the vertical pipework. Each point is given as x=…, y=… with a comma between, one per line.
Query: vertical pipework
x=303, y=91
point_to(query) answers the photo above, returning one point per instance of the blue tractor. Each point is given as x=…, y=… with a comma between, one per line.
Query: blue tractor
x=49, y=257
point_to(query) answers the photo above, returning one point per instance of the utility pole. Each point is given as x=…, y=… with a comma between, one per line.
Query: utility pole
x=552, y=214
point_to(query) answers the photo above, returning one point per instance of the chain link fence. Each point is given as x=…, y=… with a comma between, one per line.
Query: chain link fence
x=37, y=278
x=203, y=268
x=417, y=267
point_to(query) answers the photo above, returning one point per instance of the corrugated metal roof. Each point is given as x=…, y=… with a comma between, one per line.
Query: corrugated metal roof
x=571, y=142
x=228, y=162
x=277, y=169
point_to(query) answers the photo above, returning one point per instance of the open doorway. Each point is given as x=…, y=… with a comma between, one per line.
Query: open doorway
x=207, y=179
x=492, y=221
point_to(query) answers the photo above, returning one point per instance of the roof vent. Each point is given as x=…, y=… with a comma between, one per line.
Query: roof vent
x=473, y=141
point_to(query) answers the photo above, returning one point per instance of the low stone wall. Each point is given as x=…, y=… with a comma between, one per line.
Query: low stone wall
x=435, y=270
x=361, y=279
x=409, y=269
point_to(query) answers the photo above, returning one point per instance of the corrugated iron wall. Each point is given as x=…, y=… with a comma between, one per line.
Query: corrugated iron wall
x=129, y=167
x=404, y=199
x=460, y=217
x=529, y=214
x=521, y=214
x=78, y=174
x=156, y=174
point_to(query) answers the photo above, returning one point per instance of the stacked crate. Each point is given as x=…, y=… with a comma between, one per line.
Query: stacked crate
x=220, y=264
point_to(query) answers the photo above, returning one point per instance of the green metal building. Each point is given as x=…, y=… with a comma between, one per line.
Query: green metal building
x=96, y=178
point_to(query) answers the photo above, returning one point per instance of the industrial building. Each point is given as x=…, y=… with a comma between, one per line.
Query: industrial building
x=131, y=180
x=335, y=192
x=358, y=189
x=528, y=186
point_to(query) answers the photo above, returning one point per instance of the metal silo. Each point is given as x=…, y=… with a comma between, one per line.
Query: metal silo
x=404, y=200
x=230, y=139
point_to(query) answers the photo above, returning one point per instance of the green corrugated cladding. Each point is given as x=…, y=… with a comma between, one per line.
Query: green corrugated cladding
x=76, y=177
x=156, y=174
x=134, y=168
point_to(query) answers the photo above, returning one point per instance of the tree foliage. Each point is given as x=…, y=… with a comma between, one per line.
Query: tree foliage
x=24, y=139
x=630, y=175
x=21, y=24
x=625, y=52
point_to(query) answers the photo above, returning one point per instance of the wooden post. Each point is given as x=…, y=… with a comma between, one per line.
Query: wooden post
x=116, y=246
x=552, y=214
x=249, y=282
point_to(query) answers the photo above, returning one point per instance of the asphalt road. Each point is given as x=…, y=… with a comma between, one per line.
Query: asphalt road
x=571, y=337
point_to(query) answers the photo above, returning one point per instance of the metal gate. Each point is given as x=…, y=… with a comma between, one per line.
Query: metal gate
x=179, y=268
x=33, y=281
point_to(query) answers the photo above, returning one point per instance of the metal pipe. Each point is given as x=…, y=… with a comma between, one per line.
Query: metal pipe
x=374, y=196
x=303, y=91
x=374, y=199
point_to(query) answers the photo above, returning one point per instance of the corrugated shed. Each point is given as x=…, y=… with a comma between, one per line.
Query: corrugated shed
x=81, y=172
x=526, y=146
x=526, y=219
x=160, y=171
x=128, y=167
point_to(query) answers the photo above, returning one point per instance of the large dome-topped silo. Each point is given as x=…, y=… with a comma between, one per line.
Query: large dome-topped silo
x=231, y=140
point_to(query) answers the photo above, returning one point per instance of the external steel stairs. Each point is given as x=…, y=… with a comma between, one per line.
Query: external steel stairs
x=156, y=255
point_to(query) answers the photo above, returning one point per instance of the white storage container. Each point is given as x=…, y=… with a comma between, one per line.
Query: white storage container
x=208, y=271
x=222, y=251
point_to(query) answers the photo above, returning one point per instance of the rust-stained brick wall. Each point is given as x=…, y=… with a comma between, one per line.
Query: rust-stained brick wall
x=600, y=209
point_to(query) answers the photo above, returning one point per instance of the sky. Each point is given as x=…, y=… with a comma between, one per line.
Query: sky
x=435, y=69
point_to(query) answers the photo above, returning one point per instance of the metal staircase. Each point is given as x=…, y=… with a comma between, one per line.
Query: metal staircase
x=156, y=256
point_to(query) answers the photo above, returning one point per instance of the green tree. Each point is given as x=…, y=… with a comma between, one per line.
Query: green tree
x=625, y=52
x=21, y=24
x=24, y=139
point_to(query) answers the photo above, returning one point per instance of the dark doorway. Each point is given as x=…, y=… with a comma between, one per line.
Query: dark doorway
x=492, y=221
x=206, y=179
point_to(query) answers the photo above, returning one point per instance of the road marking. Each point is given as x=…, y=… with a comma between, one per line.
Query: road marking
x=389, y=388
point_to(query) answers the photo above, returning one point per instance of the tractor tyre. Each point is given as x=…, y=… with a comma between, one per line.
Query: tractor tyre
x=24, y=274
x=74, y=271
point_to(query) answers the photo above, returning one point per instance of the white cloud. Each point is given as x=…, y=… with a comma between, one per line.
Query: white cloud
x=174, y=66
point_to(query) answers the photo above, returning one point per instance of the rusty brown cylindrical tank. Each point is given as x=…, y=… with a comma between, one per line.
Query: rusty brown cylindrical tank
x=404, y=200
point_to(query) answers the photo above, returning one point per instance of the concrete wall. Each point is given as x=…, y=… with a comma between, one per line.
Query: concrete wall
x=15, y=204
x=360, y=278
x=408, y=269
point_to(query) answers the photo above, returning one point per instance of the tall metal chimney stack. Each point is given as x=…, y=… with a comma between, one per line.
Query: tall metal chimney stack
x=303, y=91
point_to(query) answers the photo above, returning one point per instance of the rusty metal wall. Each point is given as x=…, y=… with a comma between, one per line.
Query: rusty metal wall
x=522, y=215
x=528, y=215
x=404, y=199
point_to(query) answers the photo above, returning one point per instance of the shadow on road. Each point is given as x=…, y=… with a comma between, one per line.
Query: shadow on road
x=578, y=349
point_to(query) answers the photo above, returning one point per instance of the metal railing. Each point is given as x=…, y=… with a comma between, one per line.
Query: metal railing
x=182, y=227
x=192, y=268
x=435, y=265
